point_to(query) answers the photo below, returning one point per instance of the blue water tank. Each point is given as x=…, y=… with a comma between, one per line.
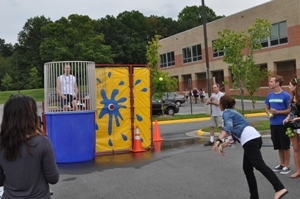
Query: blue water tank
x=72, y=135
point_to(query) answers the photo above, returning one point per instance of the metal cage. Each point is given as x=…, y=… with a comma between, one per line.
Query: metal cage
x=81, y=74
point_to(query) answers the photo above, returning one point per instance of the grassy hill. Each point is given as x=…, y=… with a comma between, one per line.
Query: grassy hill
x=37, y=94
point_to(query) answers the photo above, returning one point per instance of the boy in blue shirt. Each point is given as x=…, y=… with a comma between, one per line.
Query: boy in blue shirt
x=277, y=107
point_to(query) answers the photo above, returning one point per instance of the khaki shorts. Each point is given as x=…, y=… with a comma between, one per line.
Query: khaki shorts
x=215, y=121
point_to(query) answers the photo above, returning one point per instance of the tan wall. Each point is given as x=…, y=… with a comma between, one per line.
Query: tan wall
x=274, y=11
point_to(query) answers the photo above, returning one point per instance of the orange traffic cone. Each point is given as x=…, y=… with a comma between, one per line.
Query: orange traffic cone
x=157, y=146
x=137, y=144
x=156, y=134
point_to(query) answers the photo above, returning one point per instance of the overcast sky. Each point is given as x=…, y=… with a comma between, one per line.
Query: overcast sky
x=15, y=13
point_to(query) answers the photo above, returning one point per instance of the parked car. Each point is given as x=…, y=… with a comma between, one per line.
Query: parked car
x=174, y=97
x=170, y=108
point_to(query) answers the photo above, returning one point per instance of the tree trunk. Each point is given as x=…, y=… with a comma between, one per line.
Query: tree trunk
x=252, y=101
x=162, y=108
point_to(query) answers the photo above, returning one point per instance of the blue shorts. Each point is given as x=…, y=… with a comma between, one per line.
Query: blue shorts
x=64, y=102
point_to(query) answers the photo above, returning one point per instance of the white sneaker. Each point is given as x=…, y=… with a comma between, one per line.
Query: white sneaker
x=285, y=170
x=277, y=168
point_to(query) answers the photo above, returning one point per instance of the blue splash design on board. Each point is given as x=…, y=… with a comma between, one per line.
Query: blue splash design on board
x=112, y=107
x=137, y=81
x=110, y=142
x=139, y=118
x=98, y=80
x=124, y=137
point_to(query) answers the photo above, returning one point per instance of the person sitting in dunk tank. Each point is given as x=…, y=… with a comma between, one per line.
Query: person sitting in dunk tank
x=67, y=89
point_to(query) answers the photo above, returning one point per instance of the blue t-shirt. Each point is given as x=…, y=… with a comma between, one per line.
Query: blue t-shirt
x=278, y=101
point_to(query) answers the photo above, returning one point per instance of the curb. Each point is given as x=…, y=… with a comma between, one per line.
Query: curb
x=206, y=119
x=193, y=138
x=201, y=134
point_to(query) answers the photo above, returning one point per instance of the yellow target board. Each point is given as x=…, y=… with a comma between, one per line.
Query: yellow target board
x=123, y=102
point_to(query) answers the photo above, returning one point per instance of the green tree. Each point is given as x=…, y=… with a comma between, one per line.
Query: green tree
x=191, y=16
x=127, y=34
x=257, y=76
x=238, y=50
x=4, y=66
x=134, y=37
x=6, y=50
x=7, y=81
x=34, y=80
x=112, y=28
x=26, y=52
x=74, y=38
x=161, y=81
x=162, y=26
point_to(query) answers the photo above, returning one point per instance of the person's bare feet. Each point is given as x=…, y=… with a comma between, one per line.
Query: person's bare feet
x=280, y=194
x=295, y=175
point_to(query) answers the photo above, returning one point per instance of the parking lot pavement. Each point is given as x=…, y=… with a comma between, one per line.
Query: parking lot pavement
x=191, y=171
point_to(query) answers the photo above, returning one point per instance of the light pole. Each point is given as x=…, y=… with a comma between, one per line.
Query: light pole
x=206, y=48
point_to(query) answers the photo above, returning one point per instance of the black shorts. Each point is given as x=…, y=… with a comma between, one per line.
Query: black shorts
x=64, y=102
x=279, y=138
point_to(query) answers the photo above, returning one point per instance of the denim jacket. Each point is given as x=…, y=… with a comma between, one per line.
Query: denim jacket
x=234, y=122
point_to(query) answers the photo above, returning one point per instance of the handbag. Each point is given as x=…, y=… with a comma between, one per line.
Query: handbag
x=295, y=125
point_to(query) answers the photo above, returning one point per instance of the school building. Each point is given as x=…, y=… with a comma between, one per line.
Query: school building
x=183, y=55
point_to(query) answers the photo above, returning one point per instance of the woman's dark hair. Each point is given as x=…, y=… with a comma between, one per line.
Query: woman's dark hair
x=296, y=92
x=227, y=102
x=19, y=123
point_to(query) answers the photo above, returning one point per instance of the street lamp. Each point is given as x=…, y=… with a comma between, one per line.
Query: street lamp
x=206, y=48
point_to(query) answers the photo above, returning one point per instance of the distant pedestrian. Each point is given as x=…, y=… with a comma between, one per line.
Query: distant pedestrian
x=202, y=95
x=277, y=107
x=196, y=95
x=294, y=119
x=238, y=127
x=191, y=95
x=186, y=95
x=216, y=113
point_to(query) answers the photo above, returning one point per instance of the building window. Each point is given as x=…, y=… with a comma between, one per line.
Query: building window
x=279, y=35
x=215, y=52
x=192, y=53
x=167, y=59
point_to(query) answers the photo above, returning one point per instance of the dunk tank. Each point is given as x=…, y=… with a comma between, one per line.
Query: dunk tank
x=113, y=102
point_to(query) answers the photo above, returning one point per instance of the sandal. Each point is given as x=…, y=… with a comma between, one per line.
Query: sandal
x=281, y=196
x=295, y=175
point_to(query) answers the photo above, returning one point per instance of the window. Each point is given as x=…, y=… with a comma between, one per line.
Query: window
x=279, y=35
x=215, y=52
x=192, y=53
x=167, y=59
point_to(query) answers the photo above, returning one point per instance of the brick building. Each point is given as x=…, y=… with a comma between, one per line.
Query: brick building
x=183, y=55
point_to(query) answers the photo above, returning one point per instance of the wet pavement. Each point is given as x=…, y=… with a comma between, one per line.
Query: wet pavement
x=182, y=171
x=179, y=167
